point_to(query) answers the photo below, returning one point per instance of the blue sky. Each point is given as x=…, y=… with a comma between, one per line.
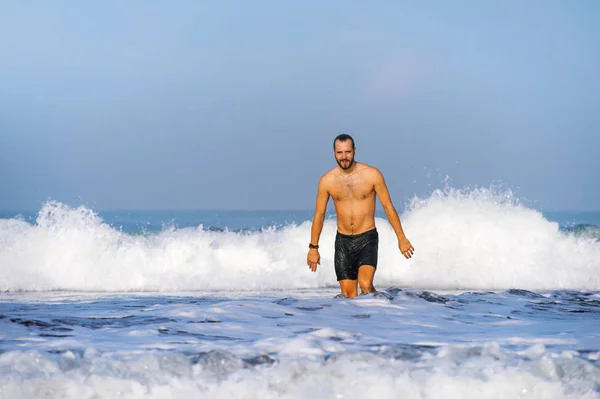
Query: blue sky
x=234, y=105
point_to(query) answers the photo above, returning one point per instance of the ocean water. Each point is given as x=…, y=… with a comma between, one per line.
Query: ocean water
x=499, y=301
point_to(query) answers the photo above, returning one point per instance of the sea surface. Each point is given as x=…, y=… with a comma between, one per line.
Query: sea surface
x=499, y=301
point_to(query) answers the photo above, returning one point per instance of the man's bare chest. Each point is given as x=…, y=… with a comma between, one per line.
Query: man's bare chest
x=351, y=190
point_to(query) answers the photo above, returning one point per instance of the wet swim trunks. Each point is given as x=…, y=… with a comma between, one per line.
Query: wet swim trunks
x=353, y=251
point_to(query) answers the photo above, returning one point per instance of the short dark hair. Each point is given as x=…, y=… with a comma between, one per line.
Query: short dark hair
x=343, y=137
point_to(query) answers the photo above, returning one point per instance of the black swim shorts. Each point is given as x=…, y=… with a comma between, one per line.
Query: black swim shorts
x=354, y=251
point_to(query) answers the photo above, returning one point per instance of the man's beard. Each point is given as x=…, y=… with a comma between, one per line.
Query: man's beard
x=350, y=163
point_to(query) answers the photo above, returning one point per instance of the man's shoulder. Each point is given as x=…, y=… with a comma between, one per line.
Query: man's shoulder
x=329, y=174
x=370, y=170
x=327, y=178
x=365, y=166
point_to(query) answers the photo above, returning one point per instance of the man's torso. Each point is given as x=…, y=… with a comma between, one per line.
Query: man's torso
x=354, y=199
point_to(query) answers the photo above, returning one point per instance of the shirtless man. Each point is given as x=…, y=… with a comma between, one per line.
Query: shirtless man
x=353, y=187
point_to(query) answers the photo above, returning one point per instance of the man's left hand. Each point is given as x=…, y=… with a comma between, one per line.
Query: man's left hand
x=406, y=247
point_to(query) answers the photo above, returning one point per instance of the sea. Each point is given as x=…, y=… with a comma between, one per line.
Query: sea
x=501, y=300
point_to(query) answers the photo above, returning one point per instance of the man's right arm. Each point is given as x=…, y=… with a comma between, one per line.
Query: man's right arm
x=314, y=258
x=320, y=209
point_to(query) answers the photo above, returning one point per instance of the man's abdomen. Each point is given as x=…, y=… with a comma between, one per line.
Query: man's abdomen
x=355, y=217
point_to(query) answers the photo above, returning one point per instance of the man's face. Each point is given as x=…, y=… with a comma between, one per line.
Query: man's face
x=344, y=153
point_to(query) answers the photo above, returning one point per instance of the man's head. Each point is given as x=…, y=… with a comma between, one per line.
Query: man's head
x=344, y=150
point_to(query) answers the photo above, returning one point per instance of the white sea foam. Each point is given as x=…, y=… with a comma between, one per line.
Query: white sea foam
x=453, y=373
x=474, y=239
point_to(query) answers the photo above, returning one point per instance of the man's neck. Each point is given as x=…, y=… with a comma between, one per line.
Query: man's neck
x=348, y=171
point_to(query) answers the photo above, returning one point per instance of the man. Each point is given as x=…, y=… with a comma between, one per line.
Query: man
x=353, y=187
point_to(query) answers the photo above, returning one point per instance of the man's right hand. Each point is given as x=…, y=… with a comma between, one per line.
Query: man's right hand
x=313, y=259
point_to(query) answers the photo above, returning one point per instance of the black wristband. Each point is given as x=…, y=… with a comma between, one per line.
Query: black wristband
x=311, y=246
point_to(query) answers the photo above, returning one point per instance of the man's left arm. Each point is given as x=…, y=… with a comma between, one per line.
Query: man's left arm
x=384, y=197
